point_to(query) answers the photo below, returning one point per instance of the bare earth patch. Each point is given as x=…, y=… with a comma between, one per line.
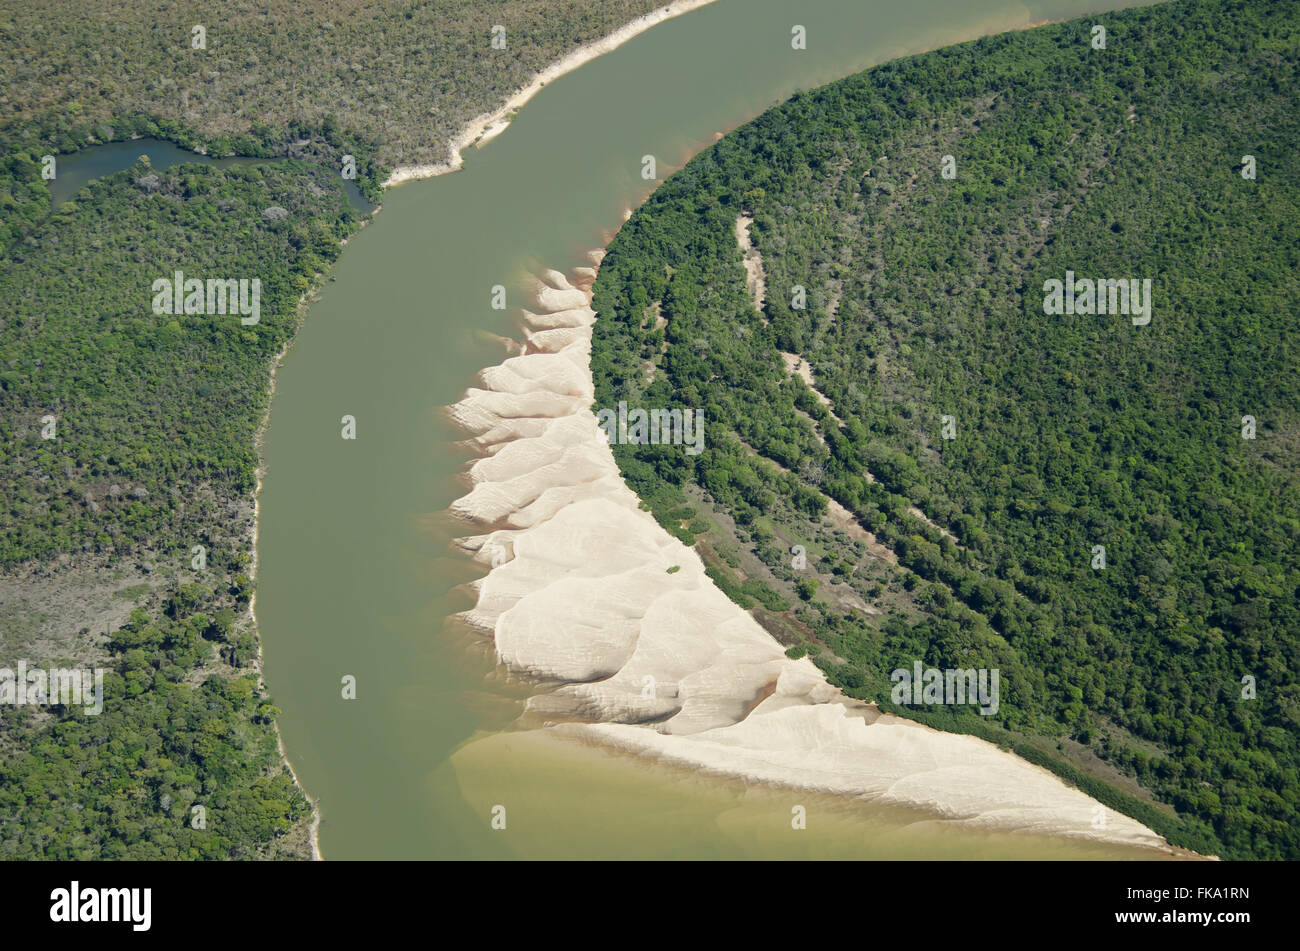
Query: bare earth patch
x=796, y=365
x=755, y=278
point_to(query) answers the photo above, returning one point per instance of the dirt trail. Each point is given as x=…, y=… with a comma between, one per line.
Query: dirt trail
x=795, y=364
x=755, y=277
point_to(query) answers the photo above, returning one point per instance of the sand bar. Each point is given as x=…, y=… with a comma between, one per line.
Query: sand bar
x=626, y=652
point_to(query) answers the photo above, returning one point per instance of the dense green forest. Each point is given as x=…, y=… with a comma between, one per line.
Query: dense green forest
x=917, y=301
x=177, y=732
x=160, y=407
x=126, y=440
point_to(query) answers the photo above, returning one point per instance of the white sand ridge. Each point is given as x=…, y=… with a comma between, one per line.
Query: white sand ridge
x=580, y=595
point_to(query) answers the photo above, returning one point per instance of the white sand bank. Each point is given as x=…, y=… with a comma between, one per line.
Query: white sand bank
x=580, y=597
x=489, y=125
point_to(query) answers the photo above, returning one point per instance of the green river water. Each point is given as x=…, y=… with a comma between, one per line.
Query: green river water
x=356, y=573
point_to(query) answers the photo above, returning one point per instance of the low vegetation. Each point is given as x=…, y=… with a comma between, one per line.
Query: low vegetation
x=407, y=75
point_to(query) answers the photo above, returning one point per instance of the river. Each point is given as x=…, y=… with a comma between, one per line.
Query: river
x=356, y=574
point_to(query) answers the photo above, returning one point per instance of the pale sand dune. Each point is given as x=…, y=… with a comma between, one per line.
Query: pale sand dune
x=580, y=597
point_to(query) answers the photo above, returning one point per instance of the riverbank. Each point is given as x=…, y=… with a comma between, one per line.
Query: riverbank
x=586, y=590
x=309, y=297
x=489, y=125
x=304, y=304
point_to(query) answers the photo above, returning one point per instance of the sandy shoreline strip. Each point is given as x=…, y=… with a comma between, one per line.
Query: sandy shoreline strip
x=660, y=662
x=489, y=125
